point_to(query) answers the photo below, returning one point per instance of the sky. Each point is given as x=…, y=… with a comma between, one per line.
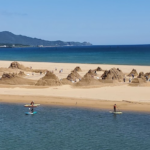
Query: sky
x=100, y=22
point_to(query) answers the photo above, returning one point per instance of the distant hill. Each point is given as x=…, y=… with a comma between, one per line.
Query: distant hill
x=10, y=38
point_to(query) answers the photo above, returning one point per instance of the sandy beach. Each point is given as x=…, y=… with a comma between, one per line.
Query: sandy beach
x=102, y=96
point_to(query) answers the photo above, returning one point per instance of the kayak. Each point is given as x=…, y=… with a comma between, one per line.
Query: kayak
x=30, y=113
x=29, y=105
x=117, y=112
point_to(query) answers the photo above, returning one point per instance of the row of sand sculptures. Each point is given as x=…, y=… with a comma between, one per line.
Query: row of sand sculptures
x=113, y=75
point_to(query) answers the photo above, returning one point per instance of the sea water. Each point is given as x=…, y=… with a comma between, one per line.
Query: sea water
x=123, y=55
x=60, y=128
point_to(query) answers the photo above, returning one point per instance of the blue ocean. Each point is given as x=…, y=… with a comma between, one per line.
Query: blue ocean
x=121, y=54
x=60, y=128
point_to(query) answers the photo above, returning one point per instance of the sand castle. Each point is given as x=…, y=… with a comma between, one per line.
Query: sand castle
x=92, y=72
x=113, y=74
x=14, y=79
x=49, y=79
x=21, y=73
x=141, y=74
x=16, y=65
x=89, y=79
x=140, y=78
x=133, y=72
x=65, y=81
x=98, y=69
x=78, y=69
x=147, y=74
x=73, y=76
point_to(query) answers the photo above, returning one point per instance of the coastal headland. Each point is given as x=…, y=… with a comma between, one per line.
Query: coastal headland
x=77, y=85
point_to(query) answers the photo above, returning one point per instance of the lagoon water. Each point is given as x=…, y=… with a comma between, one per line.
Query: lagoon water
x=57, y=128
x=125, y=55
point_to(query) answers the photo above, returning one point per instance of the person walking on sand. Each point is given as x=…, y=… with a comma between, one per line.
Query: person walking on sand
x=115, y=108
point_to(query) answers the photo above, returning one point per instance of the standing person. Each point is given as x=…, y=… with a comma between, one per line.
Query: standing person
x=32, y=103
x=124, y=79
x=129, y=80
x=115, y=108
x=32, y=110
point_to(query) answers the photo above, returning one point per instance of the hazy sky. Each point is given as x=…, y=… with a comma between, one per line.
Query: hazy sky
x=101, y=22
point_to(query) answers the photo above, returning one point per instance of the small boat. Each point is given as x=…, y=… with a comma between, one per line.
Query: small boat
x=30, y=113
x=117, y=112
x=29, y=105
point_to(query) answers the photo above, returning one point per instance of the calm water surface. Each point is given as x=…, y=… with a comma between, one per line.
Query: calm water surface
x=129, y=55
x=56, y=128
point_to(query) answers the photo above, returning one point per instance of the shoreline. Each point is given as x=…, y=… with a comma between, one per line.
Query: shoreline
x=134, y=65
x=124, y=106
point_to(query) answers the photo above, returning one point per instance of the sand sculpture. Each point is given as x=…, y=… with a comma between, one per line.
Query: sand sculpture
x=73, y=76
x=64, y=81
x=99, y=69
x=14, y=79
x=49, y=79
x=89, y=79
x=21, y=73
x=133, y=72
x=92, y=72
x=16, y=65
x=147, y=74
x=113, y=74
x=78, y=69
x=141, y=74
x=139, y=80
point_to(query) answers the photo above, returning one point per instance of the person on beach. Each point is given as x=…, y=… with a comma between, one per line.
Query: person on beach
x=129, y=80
x=115, y=108
x=132, y=75
x=32, y=103
x=124, y=79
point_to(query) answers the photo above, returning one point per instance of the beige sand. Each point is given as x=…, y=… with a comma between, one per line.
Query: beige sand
x=74, y=102
x=89, y=95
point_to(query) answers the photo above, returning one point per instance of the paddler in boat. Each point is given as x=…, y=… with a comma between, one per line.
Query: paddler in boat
x=115, y=108
x=32, y=103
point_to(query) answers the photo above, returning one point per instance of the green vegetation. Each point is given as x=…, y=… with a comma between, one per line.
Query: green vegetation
x=23, y=41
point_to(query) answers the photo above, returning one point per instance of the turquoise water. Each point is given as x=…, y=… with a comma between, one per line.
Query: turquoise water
x=56, y=128
x=129, y=55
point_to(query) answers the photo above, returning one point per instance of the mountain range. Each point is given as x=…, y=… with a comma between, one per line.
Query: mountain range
x=7, y=37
